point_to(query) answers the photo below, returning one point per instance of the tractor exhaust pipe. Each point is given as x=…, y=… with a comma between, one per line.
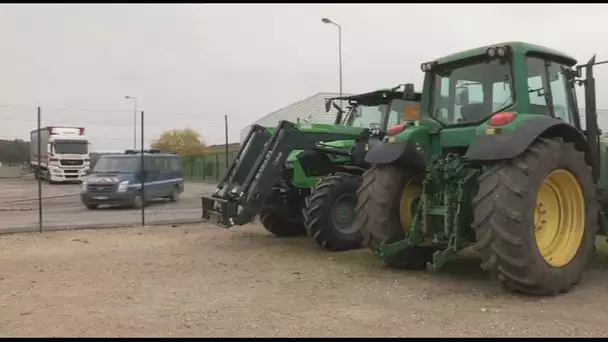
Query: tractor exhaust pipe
x=591, y=118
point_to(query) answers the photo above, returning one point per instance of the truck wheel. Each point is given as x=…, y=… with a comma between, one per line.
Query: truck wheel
x=536, y=218
x=48, y=177
x=388, y=198
x=329, y=214
x=281, y=224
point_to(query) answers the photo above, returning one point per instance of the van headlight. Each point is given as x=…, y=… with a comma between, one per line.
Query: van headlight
x=122, y=186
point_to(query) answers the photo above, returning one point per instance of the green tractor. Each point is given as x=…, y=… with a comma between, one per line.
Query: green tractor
x=497, y=161
x=302, y=178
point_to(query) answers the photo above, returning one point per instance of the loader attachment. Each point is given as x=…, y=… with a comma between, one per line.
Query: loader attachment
x=258, y=166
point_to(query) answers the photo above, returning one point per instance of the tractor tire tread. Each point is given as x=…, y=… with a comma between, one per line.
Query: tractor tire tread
x=317, y=212
x=275, y=223
x=506, y=245
x=378, y=217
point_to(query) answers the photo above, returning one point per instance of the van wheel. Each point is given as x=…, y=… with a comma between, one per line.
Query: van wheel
x=137, y=202
x=174, y=197
x=91, y=206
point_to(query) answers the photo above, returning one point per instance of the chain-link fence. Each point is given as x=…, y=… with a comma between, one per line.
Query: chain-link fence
x=46, y=154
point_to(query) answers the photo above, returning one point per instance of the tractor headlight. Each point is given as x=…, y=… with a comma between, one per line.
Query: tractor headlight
x=491, y=52
x=426, y=67
x=122, y=186
x=501, y=51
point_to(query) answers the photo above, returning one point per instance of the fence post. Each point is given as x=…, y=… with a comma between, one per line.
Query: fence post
x=39, y=148
x=143, y=191
x=203, y=169
x=192, y=174
x=217, y=166
x=226, y=140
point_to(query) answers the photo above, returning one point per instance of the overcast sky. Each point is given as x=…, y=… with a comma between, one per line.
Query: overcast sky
x=188, y=65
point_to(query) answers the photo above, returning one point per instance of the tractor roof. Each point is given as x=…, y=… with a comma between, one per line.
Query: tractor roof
x=372, y=98
x=518, y=47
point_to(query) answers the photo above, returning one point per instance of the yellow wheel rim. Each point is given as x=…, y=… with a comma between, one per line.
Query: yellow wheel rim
x=411, y=193
x=559, y=218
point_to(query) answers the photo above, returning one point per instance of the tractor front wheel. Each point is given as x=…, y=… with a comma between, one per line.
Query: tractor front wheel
x=329, y=215
x=536, y=218
x=283, y=223
x=388, y=198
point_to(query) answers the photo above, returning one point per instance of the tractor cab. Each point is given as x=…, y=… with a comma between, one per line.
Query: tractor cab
x=377, y=110
x=494, y=85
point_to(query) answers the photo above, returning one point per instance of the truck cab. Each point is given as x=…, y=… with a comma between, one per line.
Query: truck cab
x=64, y=154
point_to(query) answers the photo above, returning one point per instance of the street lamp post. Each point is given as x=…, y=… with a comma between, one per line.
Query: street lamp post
x=329, y=21
x=134, y=120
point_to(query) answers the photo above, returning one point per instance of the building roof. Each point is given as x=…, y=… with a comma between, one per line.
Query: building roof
x=303, y=109
x=311, y=108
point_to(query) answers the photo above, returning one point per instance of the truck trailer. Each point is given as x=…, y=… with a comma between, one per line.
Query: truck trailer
x=64, y=154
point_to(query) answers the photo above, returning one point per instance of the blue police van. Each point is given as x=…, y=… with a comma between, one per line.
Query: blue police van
x=116, y=179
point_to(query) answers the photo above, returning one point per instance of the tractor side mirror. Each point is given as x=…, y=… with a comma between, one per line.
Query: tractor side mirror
x=408, y=91
x=327, y=105
x=337, y=107
x=462, y=96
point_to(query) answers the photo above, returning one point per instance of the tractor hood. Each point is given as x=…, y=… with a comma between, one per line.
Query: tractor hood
x=321, y=128
x=324, y=128
x=344, y=144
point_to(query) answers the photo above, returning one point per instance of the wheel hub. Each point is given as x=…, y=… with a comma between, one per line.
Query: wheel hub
x=559, y=218
x=410, y=197
x=344, y=214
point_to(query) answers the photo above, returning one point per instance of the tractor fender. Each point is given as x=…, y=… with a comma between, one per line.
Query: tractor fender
x=402, y=153
x=509, y=145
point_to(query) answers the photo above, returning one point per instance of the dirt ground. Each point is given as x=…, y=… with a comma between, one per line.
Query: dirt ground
x=204, y=281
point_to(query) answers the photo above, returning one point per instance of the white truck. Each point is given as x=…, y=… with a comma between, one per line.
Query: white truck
x=64, y=154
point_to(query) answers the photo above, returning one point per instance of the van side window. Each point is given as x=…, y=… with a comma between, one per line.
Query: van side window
x=149, y=164
x=161, y=164
x=175, y=164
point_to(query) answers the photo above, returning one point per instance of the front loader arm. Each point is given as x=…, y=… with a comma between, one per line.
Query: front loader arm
x=257, y=168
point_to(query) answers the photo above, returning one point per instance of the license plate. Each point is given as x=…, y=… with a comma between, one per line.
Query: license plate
x=100, y=197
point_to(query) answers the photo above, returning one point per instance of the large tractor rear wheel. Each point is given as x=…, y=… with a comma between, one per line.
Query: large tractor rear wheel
x=283, y=223
x=329, y=214
x=536, y=218
x=388, y=198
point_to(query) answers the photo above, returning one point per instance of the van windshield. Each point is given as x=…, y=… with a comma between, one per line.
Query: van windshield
x=108, y=164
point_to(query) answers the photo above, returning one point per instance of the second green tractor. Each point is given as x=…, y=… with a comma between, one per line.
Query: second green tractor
x=302, y=178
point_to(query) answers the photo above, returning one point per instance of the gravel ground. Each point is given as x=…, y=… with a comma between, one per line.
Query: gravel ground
x=62, y=207
x=200, y=280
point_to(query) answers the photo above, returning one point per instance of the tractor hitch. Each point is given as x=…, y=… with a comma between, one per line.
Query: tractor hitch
x=219, y=211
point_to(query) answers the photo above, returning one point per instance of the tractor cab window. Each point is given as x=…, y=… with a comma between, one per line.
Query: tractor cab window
x=401, y=110
x=548, y=89
x=471, y=92
x=364, y=116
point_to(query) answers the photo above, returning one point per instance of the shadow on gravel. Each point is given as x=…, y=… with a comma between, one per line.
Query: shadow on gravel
x=151, y=204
